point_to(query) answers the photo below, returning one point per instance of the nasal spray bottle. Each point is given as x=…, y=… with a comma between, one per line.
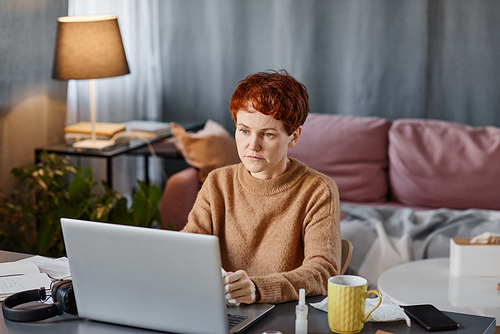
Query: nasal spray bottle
x=301, y=314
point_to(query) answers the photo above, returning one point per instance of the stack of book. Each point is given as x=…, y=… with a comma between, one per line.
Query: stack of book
x=82, y=130
x=118, y=132
x=150, y=129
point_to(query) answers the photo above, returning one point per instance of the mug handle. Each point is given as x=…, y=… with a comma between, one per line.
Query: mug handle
x=378, y=304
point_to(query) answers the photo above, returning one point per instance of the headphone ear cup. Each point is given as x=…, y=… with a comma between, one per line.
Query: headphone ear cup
x=55, y=289
x=63, y=293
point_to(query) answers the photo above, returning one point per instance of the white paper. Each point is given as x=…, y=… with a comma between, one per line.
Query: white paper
x=18, y=268
x=13, y=284
x=55, y=268
x=20, y=276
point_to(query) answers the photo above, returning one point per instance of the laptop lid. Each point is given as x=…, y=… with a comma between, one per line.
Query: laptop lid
x=149, y=278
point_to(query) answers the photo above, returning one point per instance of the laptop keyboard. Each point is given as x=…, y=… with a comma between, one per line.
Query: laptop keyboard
x=235, y=319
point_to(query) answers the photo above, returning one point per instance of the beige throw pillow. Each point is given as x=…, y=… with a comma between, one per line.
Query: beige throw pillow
x=208, y=149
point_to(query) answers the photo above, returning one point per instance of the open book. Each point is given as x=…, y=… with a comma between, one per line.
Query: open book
x=21, y=276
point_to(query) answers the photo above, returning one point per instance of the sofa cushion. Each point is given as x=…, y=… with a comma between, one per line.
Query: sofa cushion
x=442, y=164
x=351, y=150
x=208, y=149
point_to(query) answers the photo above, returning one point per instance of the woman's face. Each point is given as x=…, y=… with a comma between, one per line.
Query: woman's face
x=263, y=143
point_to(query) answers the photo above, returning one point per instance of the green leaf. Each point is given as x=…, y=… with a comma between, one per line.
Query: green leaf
x=145, y=205
x=140, y=208
x=81, y=186
x=154, y=195
x=120, y=213
x=48, y=232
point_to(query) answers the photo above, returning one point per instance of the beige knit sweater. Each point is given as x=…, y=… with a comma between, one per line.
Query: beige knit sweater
x=284, y=232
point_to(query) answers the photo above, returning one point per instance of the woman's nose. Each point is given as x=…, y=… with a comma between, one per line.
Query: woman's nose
x=254, y=143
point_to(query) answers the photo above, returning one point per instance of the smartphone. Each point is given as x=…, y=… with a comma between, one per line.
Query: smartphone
x=430, y=317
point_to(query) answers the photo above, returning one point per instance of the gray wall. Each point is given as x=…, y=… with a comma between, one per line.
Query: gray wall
x=32, y=104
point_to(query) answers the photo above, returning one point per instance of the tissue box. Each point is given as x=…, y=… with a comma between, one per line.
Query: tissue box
x=478, y=293
x=473, y=259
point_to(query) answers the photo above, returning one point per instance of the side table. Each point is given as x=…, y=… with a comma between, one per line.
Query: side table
x=134, y=147
x=430, y=282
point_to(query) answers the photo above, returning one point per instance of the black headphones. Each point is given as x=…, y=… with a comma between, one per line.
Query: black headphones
x=62, y=295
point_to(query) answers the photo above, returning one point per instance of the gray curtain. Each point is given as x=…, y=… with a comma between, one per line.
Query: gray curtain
x=464, y=55
x=387, y=58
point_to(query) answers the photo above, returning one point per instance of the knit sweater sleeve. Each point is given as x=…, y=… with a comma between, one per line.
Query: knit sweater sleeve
x=322, y=249
x=200, y=219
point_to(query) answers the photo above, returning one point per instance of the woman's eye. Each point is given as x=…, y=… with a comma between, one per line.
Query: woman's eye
x=268, y=135
x=243, y=131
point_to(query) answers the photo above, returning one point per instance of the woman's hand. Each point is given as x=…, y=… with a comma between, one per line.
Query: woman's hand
x=239, y=288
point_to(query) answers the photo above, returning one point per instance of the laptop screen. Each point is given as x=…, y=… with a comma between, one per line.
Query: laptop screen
x=150, y=278
x=145, y=277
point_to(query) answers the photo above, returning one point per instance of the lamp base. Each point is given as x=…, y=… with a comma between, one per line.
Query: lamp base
x=93, y=144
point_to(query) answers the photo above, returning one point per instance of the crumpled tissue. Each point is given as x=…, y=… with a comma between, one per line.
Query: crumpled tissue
x=487, y=238
x=387, y=311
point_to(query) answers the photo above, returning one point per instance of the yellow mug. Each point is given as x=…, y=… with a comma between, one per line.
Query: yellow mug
x=347, y=302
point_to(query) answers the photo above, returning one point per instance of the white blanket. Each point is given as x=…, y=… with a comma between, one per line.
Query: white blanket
x=385, y=237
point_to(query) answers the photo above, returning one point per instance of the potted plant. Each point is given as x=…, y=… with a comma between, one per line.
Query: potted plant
x=55, y=188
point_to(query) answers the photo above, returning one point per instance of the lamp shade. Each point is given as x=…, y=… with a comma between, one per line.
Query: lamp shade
x=89, y=47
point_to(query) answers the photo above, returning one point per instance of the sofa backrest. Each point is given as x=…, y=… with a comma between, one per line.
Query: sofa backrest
x=442, y=164
x=351, y=150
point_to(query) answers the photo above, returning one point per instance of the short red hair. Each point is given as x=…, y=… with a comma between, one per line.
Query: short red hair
x=274, y=93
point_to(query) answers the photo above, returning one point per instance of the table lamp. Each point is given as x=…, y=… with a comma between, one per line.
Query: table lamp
x=89, y=47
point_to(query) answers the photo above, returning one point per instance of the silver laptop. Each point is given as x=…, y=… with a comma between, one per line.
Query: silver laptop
x=150, y=278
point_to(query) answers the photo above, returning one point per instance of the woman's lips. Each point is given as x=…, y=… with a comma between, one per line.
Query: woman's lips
x=253, y=158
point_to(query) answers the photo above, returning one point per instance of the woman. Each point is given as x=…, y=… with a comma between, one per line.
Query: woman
x=277, y=219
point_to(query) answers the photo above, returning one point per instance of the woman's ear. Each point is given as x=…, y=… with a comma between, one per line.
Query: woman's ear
x=294, y=137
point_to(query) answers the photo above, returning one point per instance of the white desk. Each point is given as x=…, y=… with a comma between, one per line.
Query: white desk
x=429, y=282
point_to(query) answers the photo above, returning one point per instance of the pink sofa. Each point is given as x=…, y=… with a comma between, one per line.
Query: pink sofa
x=421, y=164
